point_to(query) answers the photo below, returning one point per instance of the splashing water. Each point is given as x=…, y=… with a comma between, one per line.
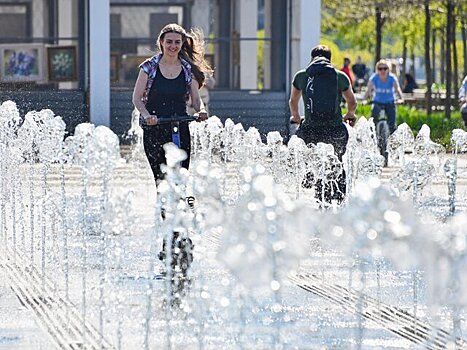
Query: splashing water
x=257, y=237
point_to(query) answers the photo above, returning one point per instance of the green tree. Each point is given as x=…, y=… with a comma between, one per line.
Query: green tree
x=423, y=28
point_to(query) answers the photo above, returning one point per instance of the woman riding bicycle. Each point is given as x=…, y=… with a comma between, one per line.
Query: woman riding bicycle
x=383, y=85
x=164, y=83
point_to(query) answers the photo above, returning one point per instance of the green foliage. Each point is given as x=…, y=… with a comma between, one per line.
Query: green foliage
x=440, y=126
x=352, y=27
x=338, y=54
x=260, y=58
x=409, y=25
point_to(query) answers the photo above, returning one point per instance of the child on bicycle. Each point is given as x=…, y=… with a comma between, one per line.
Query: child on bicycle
x=383, y=85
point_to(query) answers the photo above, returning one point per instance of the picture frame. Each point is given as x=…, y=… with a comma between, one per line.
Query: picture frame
x=114, y=67
x=62, y=63
x=21, y=63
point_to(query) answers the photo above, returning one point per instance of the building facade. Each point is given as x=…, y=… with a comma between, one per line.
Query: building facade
x=90, y=49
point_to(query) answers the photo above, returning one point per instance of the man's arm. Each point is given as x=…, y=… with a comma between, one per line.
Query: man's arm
x=294, y=99
x=351, y=101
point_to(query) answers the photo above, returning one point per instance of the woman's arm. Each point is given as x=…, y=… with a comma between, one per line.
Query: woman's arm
x=369, y=90
x=398, y=89
x=196, y=101
x=138, y=94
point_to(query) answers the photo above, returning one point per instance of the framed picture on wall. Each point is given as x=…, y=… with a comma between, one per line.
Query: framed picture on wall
x=21, y=62
x=62, y=63
x=114, y=67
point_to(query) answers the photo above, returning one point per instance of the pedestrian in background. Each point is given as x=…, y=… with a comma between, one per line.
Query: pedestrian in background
x=463, y=100
x=346, y=69
x=409, y=84
x=359, y=70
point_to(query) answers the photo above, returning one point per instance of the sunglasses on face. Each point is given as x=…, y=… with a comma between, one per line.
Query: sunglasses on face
x=382, y=68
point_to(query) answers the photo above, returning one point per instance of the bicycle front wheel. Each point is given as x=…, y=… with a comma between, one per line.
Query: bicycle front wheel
x=382, y=135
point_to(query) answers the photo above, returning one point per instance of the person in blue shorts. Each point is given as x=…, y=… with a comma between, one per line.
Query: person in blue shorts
x=383, y=86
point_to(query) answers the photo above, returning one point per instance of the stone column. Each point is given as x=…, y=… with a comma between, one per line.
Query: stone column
x=310, y=28
x=99, y=61
x=39, y=28
x=305, y=30
x=67, y=28
x=267, y=44
x=200, y=12
x=248, y=26
x=223, y=49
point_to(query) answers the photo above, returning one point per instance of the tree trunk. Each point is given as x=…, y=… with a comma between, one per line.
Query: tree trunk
x=412, y=67
x=379, y=33
x=427, y=57
x=447, y=105
x=404, y=55
x=433, y=56
x=464, y=43
x=442, y=56
x=455, y=77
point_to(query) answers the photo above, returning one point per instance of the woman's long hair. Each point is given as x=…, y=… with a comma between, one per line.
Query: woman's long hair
x=192, y=49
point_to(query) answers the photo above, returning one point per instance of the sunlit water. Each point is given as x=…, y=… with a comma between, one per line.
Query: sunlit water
x=274, y=268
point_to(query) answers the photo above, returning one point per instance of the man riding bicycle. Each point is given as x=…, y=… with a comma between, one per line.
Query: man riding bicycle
x=384, y=84
x=322, y=87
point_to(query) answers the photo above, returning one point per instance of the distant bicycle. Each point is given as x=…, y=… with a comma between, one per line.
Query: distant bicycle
x=382, y=127
x=382, y=136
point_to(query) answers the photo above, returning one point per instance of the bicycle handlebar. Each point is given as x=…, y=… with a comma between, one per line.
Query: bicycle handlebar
x=172, y=119
x=302, y=118
x=371, y=102
x=175, y=118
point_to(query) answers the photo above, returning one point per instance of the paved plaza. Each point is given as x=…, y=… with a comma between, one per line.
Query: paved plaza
x=19, y=329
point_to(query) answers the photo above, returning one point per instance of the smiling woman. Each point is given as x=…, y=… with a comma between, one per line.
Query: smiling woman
x=383, y=86
x=164, y=84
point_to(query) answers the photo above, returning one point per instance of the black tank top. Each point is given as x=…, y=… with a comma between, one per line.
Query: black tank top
x=167, y=97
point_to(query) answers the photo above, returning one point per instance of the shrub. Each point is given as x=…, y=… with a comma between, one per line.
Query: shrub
x=441, y=127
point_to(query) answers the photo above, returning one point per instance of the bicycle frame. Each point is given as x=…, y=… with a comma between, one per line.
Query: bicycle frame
x=382, y=135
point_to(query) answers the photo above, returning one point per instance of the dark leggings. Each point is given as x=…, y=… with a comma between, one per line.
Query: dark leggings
x=155, y=137
x=389, y=109
x=338, y=137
